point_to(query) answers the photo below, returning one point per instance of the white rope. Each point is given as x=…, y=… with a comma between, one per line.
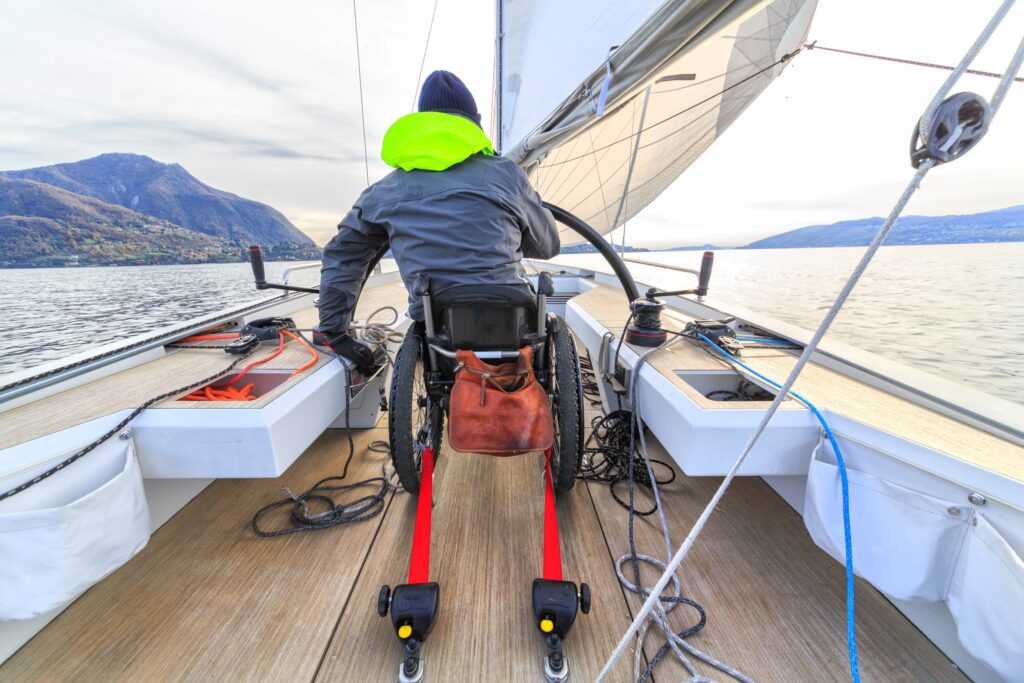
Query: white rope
x=1008, y=78
x=915, y=182
x=958, y=71
x=423, y=60
x=660, y=614
x=362, y=109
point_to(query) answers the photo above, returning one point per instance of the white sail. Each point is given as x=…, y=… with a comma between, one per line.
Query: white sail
x=682, y=72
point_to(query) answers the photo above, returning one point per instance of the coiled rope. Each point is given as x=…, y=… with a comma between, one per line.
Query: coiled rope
x=323, y=493
x=653, y=602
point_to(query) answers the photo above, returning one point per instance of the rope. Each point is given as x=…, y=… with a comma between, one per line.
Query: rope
x=362, y=109
x=899, y=60
x=616, y=458
x=336, y=513
x=423, y=61
x=590, y=388
x=607, y=457
x=958, y=71
x=675, y=641
x=653, y=598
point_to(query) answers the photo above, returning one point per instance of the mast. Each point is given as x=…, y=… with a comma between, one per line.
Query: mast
x=496, y=95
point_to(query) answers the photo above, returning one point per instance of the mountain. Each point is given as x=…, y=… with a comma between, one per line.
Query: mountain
x=1001, y=225
x=43, y=225
x=587, y=248
x=169, y=192
x=704, y=247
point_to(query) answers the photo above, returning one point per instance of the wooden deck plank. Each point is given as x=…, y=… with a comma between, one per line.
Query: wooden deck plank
x=775, y=602
x=207, y=599
x=131, y=387
x=828, y=390
x=486, y=551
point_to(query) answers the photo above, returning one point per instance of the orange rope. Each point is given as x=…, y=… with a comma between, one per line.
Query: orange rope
x=313, y=353
x=206, y=337
x=261, y=361
x=233, y=393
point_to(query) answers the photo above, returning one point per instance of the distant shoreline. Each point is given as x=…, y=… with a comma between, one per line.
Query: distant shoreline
x=709, y=247
x=54, y=266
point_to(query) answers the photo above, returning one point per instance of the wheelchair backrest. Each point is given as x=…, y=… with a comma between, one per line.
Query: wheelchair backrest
x=486, y=317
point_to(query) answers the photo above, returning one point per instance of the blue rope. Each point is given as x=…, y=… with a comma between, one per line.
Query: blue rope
x=851, y=633
x=765, y=340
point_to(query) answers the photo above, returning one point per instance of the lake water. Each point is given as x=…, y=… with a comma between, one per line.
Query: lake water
x=956, y=311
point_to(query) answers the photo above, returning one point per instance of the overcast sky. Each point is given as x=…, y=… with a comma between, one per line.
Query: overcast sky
x=261, y=98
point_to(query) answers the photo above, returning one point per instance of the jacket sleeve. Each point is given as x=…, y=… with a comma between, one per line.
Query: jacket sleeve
x=540, y=235
x=346, y=261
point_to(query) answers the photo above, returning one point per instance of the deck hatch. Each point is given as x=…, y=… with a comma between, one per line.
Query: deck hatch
x=725, y=385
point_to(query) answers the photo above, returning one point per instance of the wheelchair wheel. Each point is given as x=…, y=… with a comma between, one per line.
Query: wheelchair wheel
x=414, y=419
x=566, y=396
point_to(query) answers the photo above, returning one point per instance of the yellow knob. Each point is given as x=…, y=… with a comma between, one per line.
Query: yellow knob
x=547, y=626
x=404, y=631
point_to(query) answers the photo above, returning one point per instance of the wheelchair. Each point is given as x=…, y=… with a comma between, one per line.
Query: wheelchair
x=494, y=321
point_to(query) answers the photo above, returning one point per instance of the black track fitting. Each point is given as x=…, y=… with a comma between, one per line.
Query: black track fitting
x=555, y=604
x=413, y=609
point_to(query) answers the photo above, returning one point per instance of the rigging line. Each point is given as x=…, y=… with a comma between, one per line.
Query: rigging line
x=629, y=172
x=883, y=231
x=567, y=173
x=423, y=60
x=362, y=108
x=925, y=124
x=900, y=60
x=698, y=141
x=597, y=171
x=678, y=157
x=782, y=60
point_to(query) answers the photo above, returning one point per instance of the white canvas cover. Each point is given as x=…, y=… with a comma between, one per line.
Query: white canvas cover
x=924, y=547
x=905, y=543
x=677, y=81
x=987, y=600
x=67, y=532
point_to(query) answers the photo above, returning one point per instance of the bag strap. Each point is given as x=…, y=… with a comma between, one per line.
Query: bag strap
x=522, y=379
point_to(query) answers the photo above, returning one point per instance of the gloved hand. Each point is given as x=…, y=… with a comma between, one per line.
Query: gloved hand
x=360, y=354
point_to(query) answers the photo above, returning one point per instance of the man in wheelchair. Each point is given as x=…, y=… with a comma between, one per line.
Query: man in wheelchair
x=482, y=351
x=451, y=209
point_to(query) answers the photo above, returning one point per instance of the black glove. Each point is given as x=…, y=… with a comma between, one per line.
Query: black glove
x=356, y=351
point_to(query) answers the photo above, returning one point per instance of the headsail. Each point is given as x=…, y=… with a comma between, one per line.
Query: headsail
x=682, y=72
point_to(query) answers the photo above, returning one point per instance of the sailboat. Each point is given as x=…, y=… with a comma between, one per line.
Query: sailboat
x=870, y=527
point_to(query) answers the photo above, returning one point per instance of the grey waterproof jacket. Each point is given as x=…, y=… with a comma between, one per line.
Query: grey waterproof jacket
x=472, y=223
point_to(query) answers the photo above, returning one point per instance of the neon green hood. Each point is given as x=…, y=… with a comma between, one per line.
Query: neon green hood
x=432, y=141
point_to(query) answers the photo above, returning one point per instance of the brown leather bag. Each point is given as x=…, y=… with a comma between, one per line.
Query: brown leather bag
x=498, y=409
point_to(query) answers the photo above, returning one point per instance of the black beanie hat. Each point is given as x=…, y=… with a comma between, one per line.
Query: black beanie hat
x=444, y=91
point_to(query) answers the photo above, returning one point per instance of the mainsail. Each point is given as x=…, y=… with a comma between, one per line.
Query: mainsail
x=605, y=103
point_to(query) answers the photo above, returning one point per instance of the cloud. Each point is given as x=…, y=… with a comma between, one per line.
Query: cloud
x=213, y=60
x=168, y=132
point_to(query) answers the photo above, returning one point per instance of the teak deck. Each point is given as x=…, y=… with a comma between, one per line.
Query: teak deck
x=208, y=600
